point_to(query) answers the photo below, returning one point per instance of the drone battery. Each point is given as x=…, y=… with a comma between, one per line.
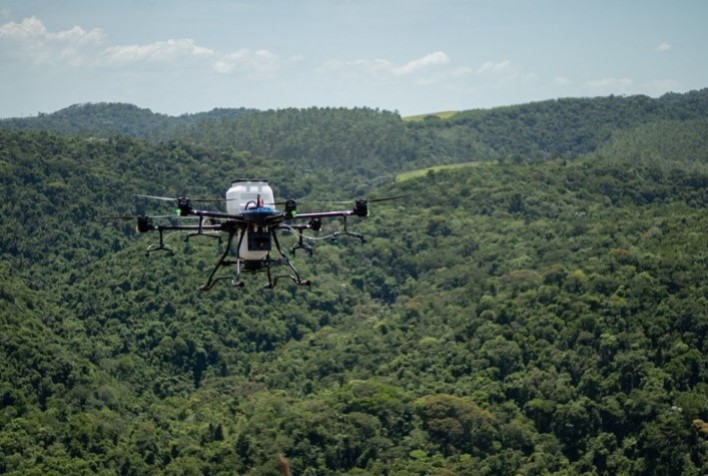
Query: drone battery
x=258, y=240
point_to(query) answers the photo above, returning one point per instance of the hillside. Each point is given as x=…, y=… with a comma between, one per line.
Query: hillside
x=564, y=128
x=353, y=149
x=110, y=119
x=520, y=317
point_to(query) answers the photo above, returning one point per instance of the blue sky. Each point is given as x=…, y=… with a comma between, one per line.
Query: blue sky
x=412, y=56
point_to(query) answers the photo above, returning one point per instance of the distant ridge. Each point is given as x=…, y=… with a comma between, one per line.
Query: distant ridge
x=381, y=143
x=116, y=118
x=110, y=118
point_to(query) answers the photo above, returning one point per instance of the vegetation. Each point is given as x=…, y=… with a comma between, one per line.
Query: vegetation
x=543, y=312
x=402, y=177
x=106, y=119
x=433, y=116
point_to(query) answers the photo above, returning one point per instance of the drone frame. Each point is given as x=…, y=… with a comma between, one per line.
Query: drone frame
x=261, y=222
x=258, y=265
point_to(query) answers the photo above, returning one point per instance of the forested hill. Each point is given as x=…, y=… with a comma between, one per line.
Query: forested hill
x=110, y=119
x=568, y=127
x=380, y=140
x=520, y=316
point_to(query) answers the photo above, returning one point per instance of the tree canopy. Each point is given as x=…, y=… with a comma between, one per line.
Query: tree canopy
x=540, y=310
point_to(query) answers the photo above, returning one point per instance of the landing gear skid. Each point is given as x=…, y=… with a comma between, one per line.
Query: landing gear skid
x=265, y=264
x=301, y=244
x=160, y=246
x=346, y=232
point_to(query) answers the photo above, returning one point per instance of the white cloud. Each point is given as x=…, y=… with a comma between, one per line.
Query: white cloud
x=354, y=67
x=431, y=69
x=175, y=51
x=245, y=60
x=29, y=40
x=500, y=71
x=159, y=51
x=562, y=81
x=663, y=47
x=79, y=36
x=427, y=69
x=30, y=27
x=423, y=63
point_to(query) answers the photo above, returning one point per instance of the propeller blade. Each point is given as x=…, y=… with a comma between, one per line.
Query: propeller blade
x=283, y=202
x=135, y=217
x=175, y=200
x=208, y=200
x=368, y=200
x=118, y=217
x=155, y=197
x=385, y=199
x=331, y=202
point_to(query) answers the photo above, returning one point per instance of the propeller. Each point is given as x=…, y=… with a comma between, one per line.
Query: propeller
x=134, y=217
x=155, y=197
x=385, y=199
x=175, y=200
x=184, y=204
x=118, y=217
x=367, y=200
x=283, y=201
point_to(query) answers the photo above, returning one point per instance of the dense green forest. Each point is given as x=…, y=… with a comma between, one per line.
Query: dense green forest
x=541, y=310
x=105, y=119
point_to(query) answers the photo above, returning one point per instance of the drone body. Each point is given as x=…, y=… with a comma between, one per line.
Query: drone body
x=250, y=224
x=249, y=197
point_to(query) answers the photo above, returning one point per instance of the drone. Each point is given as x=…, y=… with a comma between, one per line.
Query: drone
x=250, y=225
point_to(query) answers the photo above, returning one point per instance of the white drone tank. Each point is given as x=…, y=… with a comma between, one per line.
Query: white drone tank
x=242, y=196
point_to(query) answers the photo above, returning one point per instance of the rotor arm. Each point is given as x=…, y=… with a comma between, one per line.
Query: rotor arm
x=333, y=214
x=145, y=225
x=360, y=210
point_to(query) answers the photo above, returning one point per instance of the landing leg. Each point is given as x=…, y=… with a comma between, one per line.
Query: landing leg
x=295, y=277
x=346, y=232
x=224, y=262
x=301, y=245
x=161, y=246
